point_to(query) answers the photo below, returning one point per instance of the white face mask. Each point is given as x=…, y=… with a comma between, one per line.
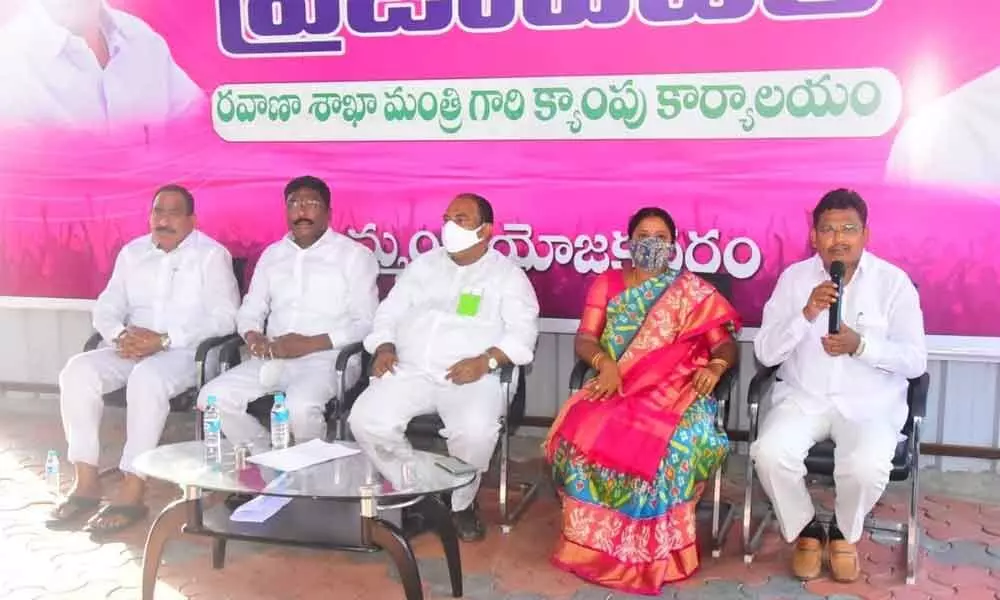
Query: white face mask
x=456, y=238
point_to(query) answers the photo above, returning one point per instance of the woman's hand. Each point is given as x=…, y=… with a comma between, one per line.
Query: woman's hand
x=607, y=383
x=706, y=378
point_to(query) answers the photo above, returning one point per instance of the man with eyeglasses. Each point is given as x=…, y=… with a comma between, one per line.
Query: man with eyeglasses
x=169, y=291
x=849, y=387
x=312, y=293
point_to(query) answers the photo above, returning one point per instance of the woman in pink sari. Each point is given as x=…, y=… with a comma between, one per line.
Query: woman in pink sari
x=631, y=452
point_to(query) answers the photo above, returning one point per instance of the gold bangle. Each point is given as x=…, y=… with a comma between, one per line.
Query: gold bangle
x=720, y=361
x=595, y=360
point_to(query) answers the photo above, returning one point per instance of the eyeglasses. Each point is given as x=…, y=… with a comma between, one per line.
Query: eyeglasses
x=303, y=203
x=849, y=230
x=168, y=212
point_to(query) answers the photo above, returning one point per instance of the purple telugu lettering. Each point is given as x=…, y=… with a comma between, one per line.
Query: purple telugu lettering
x=808, y=8
x=499, y=14
x=565, y=13
x=393, y=16
x=290, y=18
x=661, y=11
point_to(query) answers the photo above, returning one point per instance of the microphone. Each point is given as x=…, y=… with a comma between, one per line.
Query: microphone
x=837, y=276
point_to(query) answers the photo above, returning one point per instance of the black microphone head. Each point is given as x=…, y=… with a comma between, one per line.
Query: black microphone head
x=837, y=269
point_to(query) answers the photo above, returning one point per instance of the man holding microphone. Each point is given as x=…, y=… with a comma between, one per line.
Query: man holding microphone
x=843, y=379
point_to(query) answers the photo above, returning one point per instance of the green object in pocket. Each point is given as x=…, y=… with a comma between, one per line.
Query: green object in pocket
x=468, y=304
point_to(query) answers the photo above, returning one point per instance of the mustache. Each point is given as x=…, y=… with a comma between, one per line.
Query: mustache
x=164, y=229
x=303, y=221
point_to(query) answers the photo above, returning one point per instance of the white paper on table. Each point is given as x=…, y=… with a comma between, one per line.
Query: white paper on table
x=302, y=455
x=259, y=509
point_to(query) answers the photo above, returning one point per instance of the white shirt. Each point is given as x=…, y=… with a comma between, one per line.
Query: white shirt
x=51, y=77
x=954, y=141
x=189, y=293
x=328, y=288
x=882, y=305
x=421, y=317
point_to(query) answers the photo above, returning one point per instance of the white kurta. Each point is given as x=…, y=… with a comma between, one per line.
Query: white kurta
x=191, y=295
x=420, y=316
x=52, y=78
x=858, y=402
x=328, y=289
x=954, y=141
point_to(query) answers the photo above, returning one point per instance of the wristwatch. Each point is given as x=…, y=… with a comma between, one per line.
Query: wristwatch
x=165, y=341
x=492, y=362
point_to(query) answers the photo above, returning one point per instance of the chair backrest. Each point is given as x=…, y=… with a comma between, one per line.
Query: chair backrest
x=720, y=281
x=240, y=271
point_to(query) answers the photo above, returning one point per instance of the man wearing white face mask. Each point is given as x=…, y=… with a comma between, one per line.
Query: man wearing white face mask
x=454, y=317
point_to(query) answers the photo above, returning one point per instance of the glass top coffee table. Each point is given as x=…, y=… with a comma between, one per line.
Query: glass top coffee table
x=350, y=503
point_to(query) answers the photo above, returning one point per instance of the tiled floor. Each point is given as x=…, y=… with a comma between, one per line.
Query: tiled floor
x=960, y=551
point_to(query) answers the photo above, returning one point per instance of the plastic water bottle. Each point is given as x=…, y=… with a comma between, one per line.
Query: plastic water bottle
x=213, y=432
x=280, y=433
x=53, y=477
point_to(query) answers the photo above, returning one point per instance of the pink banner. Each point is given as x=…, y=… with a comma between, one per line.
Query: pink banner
x=569, y=115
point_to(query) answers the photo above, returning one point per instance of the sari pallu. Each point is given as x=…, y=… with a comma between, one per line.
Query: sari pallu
x=631, y=468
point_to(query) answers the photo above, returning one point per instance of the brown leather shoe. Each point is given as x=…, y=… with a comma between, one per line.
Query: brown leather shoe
x=844, y=564
x=807, y=562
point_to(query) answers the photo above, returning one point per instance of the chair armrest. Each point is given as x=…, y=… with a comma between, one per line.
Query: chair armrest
x=214, y=342
x=232, y=344
x=760, y=385
x=581, y=370
x=346, y=353
x=223, y=343
x=340, y=368
x=93, y=342
x=916, y=394
x=724, y=397
x=507, y=373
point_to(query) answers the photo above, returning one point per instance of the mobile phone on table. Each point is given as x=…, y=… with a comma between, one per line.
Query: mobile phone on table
x=455, y=466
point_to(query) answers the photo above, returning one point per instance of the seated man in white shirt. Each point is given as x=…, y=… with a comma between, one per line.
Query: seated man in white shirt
x=169, y=291
x=954, y=141
x=849, y=387
x=82, y=64
x=453, y=318
x=312, y=293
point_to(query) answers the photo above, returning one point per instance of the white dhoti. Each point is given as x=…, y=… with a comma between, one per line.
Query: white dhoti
x=863, y=460
x=149, y=386
x=308, y=382
x=470, y=413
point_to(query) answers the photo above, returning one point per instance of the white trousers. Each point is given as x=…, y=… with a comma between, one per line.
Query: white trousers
x=470, y=413
x=149, y=386
x=309, y=382
x=862, y=462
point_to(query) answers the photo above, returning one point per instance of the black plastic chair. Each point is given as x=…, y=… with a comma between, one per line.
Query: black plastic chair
x=820, y=463
x=723, y=513
x=186, y=400
x=430, y=426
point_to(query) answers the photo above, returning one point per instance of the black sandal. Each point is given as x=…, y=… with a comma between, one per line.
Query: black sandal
x=72, y=509
x=125, y=515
